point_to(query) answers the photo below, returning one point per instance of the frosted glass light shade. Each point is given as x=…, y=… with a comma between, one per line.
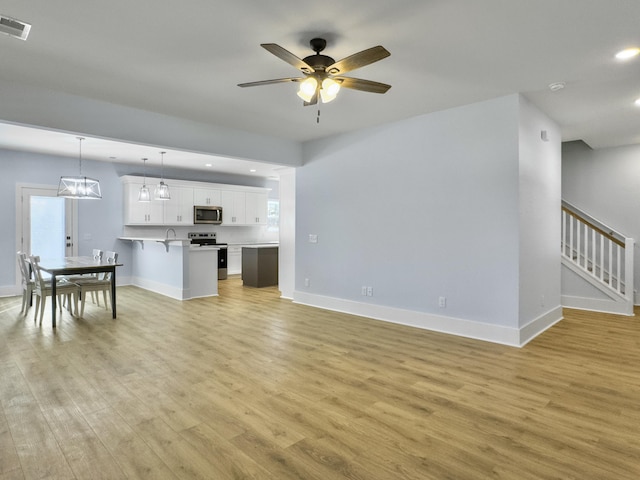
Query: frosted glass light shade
x=329, y=91
x=144, y=195
x=162, y=191
x=79, y=187
x=308, y=89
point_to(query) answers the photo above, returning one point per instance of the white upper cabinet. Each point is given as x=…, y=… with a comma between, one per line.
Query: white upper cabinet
x=256, y=208
x=233, y=207
x=207, y=196
x=241, y=205
x=141, y=213
x=179, y=209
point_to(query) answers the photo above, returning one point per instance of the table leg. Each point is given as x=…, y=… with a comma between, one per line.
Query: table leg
x=53, y=300
x=113, y=292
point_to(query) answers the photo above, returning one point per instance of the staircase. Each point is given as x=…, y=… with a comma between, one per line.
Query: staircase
x=601, y=264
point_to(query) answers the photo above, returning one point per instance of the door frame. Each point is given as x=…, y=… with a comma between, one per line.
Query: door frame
x=20, y=206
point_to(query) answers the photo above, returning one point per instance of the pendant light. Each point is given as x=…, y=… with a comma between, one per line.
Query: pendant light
x=79, y=187
x=162, y=189
x=144, y=195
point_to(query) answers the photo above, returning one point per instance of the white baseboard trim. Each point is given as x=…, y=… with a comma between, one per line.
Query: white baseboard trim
x=161, y=288
x=535, y=327
x=10, y=291
x=598, y=305
x=455, y=326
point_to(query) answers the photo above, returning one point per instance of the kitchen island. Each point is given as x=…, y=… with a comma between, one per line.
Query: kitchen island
x=260, y=265
x=173, y=267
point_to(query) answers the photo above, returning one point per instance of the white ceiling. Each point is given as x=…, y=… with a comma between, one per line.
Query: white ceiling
x=186, y=58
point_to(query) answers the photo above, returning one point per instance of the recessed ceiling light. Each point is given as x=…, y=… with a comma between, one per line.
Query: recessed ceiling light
x=208, y=165
x=637, y=102
x=627, y=53
x=555, y=86
x=253, y=170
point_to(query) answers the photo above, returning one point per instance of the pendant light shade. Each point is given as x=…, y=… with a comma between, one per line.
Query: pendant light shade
x=144, y=195
x=162, y=189
x=79, y=187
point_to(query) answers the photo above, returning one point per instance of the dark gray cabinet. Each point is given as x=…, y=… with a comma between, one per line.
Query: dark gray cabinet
x=259, y=266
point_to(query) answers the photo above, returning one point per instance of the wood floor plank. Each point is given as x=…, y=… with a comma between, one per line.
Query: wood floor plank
x=250, y=386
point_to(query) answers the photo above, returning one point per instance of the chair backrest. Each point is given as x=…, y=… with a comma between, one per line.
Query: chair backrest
x=97, y=254
x=23, y=263
x=35, y=268
x=111, y=257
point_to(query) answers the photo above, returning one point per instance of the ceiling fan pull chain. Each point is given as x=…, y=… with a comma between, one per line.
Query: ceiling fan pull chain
x=318, y=117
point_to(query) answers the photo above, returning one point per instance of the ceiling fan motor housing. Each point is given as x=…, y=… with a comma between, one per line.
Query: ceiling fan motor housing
x=318, y=62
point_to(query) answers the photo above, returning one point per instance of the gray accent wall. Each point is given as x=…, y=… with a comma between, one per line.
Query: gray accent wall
x=431, y=207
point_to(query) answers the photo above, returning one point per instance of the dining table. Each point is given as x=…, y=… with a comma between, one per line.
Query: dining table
x=78, y=266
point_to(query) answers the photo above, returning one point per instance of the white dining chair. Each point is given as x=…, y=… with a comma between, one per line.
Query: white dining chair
x=28, y=284
x=43, y=289
x=101, y=283
x=97, y=255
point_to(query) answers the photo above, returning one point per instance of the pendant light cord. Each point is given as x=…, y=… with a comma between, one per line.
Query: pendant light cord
x=80, y=154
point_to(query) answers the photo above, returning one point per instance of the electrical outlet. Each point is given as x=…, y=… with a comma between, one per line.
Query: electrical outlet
x=364, y=291
x=307, y=282
x=313, y=238
x=369, y=291
x=442, y=302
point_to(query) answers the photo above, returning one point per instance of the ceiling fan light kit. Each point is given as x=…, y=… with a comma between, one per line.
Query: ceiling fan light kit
x=323, y=75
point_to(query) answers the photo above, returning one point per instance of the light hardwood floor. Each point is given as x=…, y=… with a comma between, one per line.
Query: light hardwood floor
x=248, y=385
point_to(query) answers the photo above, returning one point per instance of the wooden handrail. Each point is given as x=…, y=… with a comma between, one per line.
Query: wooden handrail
x=608, y=235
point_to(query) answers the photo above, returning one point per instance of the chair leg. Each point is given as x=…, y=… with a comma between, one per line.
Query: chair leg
x=43, y=301
x=35, y=313
x=82, y=299
x=24, y=302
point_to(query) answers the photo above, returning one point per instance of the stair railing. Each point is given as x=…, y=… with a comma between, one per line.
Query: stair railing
x=599, y=251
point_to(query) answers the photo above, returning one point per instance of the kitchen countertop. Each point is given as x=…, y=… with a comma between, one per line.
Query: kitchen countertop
x=249, y=244
x=203, y=247
x=155, y=239
x=261, y=245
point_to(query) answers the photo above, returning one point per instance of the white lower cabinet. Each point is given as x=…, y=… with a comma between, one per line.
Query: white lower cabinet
x=234, y=259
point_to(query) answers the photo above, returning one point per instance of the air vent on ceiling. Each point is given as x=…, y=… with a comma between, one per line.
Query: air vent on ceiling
x=14, y=28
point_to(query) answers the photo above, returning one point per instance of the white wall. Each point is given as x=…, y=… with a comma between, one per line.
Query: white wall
x=540, y=198
x=40, y=107
x=605, y=183
x=418, y=209
x=286, y=252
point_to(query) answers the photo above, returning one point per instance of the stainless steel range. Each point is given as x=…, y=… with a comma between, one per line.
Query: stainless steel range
x=204, y=239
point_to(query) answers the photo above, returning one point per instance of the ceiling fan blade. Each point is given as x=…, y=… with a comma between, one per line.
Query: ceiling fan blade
x=358, y=60
x=269, y=82
x=288, y=57
x=364, y=85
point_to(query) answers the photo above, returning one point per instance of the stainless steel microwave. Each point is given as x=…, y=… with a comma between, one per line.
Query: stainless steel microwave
x=207, y=214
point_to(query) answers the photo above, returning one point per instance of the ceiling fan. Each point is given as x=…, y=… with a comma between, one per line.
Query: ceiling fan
x=323, y=75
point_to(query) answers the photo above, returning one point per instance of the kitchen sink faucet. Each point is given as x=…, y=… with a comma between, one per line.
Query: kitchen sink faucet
x=167, y=233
